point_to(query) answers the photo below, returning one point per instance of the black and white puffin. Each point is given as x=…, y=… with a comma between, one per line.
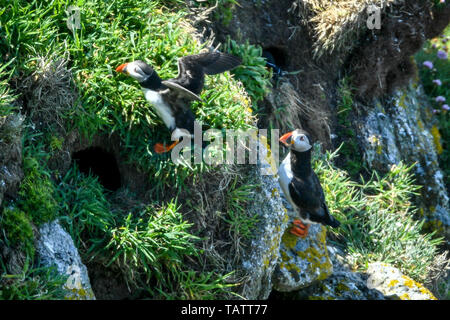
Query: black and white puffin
x=171, y=98
x=301, y=185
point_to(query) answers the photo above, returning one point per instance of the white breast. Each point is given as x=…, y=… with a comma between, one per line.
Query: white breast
x=161, y=107
x=285, y=176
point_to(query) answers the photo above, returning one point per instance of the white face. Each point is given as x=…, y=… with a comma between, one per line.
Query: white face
x=134, y=70
x=300, y=142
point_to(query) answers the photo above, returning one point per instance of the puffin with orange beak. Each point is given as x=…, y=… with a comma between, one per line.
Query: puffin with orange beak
x=301, y=185
x=171, y=98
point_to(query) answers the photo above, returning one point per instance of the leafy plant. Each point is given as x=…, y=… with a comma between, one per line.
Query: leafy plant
x=253, y=72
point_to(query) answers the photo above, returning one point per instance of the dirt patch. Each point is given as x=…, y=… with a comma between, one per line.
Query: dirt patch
x=107, y=283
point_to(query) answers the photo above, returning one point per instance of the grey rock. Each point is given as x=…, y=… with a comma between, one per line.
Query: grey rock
x=343, y=284
x=261, y=257
x=391, y=282
x=55, y=247
x=303, y=261
x=407, y=132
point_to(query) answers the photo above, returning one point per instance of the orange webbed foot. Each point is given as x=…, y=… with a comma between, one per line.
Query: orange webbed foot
x=299, y=229
x=161, y=148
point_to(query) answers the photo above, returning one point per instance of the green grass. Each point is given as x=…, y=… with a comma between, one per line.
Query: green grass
x=37, y=192
x=18, y=229
x=36, y=283
x=241, y=224
x=110, y=35
x=377, y=218
x=350, y=153
x=6, y=96
x=191, y=285
x=85, y=212
x=440, y=71
x=149, y=244
x=152, y=243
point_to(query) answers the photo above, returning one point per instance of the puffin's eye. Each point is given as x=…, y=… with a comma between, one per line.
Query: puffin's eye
x=302, y=138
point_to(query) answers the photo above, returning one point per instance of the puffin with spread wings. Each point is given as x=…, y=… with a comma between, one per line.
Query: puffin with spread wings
x=171, y=98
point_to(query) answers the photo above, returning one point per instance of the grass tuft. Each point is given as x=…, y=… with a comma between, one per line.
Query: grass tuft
x=377, y=218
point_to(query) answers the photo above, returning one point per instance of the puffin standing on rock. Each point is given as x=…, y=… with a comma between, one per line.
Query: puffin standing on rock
x=171, y=98
x=301, y=185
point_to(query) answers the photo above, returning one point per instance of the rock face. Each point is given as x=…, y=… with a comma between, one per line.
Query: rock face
x=343, y=284
x=302, y=261
x=391, y=282
x=402, y=129
x=261, y=258
x=10, y=154
x=55, y=247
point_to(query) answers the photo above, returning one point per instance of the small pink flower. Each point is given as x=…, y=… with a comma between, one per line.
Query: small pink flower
x=442, y=55
x=428, y=64
x=437, y=82
x=445, y=107
x=442, y=1
x=440, y=99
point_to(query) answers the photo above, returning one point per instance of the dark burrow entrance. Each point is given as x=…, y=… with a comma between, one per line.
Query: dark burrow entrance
x=101, y=163
x=276, y=56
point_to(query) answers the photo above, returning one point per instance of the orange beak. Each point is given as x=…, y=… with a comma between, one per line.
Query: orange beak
x=285, y=137
x=121, y=67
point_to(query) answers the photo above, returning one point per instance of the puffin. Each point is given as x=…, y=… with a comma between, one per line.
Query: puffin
x=301, y=185
x=171, y=98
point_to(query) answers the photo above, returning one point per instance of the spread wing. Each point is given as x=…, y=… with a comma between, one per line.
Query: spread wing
x=210, y=63
x=181, y=91
x=192, y=69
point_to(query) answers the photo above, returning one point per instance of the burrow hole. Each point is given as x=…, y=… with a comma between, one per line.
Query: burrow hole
x=277, y=56
x=101, y=163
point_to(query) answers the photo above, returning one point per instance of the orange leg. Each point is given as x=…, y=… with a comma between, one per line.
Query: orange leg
x=161, y=148
x=299, y=229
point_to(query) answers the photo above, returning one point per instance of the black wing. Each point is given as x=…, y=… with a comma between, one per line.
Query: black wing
x=181, y=91
x=309, y=197
x=192, y=69
x=303, y=194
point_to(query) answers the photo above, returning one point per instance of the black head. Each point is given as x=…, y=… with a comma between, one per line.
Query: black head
x=297, y=140
x=137, y=69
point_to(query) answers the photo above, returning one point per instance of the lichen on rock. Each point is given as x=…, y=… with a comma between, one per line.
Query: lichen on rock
x=343, y=284
x=401, y=129
x=303, y=261
x=260, y=259
x=391, y=282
